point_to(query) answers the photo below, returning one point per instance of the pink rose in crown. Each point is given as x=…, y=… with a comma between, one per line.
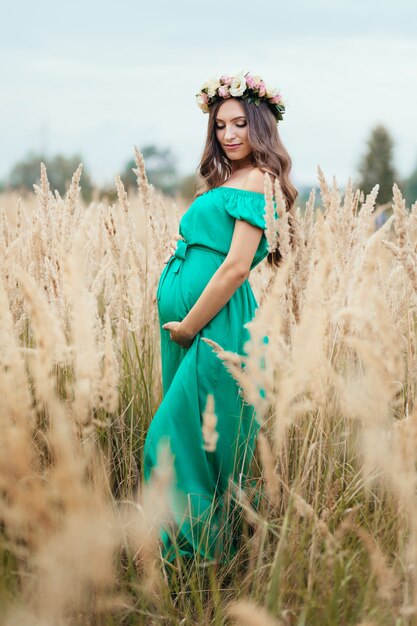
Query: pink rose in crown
x=275, y=99
x=250, y=81
x=204, y=97
x=262, y=89
x=224, y=91
x=226, y=80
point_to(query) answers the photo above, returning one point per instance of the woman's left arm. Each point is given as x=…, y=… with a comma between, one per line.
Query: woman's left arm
x=234, y=270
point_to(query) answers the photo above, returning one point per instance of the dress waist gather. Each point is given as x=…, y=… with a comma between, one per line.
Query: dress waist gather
x=181, y=249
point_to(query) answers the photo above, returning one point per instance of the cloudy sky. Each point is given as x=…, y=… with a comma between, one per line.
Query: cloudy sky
x=98, y=77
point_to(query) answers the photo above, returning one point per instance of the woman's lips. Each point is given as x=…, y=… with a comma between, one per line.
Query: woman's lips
x=231, y=147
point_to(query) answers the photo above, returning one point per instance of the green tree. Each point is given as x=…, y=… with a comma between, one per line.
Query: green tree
x=60, y=170
x=160, y=168
x=376, y=165
x=187, y=186
x=410, y=187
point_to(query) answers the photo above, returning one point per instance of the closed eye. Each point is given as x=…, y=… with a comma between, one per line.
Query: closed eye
x=240, y=126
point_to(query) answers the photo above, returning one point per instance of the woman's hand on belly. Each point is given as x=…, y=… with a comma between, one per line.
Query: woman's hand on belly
x=172, y=246
x=179, y=334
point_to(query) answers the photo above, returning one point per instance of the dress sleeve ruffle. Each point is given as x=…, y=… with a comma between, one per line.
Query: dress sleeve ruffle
x=248, y=206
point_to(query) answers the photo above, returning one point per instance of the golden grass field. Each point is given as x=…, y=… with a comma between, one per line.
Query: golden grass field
x=332, y=540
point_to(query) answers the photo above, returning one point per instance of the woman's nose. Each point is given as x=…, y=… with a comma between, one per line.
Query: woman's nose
x=228, y=133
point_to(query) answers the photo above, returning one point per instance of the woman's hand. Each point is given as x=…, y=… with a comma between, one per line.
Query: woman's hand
x=172, y=246
x=179, y=334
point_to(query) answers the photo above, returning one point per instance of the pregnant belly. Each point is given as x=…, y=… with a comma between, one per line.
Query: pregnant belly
x=179, y=291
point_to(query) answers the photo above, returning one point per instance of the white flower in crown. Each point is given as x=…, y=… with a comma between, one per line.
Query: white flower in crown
x=201, y=100
x=238, y=85
x=271, y=91
x=212, y=85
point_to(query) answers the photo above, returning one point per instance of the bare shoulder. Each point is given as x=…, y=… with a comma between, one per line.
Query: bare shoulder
x=255, y=180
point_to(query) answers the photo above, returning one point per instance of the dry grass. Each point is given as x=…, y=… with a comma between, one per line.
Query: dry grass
x=330, y=532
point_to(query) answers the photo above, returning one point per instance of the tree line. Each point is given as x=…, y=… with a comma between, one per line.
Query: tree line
x=376, y=165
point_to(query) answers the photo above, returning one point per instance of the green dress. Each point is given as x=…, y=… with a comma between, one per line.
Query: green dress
x=206, y=521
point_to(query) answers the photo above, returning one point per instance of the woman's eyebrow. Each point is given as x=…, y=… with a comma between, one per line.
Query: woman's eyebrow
x=218, y=119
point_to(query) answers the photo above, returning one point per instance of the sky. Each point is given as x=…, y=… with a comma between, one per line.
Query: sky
x=98, y=77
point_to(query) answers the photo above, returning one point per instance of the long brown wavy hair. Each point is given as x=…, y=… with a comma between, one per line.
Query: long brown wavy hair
x=268, y=154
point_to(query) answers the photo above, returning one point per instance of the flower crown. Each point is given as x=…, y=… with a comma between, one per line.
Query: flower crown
x=245, y=86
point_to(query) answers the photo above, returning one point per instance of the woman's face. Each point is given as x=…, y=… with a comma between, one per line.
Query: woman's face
x=232, y=129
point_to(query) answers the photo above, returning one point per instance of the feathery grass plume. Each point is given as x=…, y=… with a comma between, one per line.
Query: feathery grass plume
x=25, y=514
x=75, y=567
x=251, y=515
x=113, y=235
x=402, y=438
x=248, y=613
x=128, y=225
x=5, y=231
x=347, y=213
x=280, y=199
x=37, y=248
x=142, y=179
x=71, y=213
x=142, y=519
x=257, y=550
x=74, y=190
x=401, y=218
x=302, y=261
x=145, y=195
x=366, y=224
x=356, y=199
x=319, y=529
x=325, y=192
x=268, y=466
x=271, y=231
x=265, y=359
x=331, y=204
x=68, y=561
x=18, y=217
x=369, y=390
x=44, y=191
x=283, y=222
x=387, y=579
x=404, y=249
x=51, y=347
x=340, y=220
x=304, y=373
x=210, y=434
x=304, y=509
x=177, y=215
x=155, y=233
x=364, y=261
x=108, y=384
x=83, y=316
x=344, y=237
x=15, y=397
x=294, y=297
x=261, y=278
x=234, y=363
x=3, y=246
x=73, y=564
x=411, y=359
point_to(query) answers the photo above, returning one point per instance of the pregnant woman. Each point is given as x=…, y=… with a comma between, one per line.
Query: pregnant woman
x=204, y=292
